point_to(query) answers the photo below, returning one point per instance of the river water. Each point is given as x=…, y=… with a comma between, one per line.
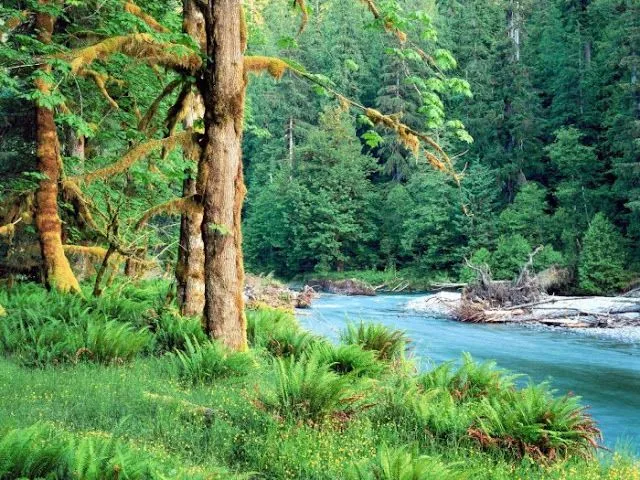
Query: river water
x=603, y=369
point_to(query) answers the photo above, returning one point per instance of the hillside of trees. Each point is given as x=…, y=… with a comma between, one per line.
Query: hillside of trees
x=552, y=156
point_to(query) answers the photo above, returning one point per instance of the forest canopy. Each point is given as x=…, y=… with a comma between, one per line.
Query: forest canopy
x=422, y=134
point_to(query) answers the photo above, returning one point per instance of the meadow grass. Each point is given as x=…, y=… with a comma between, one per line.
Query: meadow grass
x=182, y=407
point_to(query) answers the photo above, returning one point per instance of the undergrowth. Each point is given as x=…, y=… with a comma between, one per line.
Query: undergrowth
x=294, y=407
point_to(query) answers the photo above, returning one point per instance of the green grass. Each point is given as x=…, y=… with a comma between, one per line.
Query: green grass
x=331, y=412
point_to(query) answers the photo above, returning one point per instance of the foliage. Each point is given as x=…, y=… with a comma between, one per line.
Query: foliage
x=404, y=464
x=531, y=422
x=387, y=344
x=278, y=332
x=308, y=389
x=470, y=381
x=602, y=260
x=40, y=451
x=511, y=253
x=285, y=417
x=349, y=359
x=202, y=363
x=172, y=332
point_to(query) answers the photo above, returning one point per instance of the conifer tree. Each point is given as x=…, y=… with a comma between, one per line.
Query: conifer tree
x=602, y=259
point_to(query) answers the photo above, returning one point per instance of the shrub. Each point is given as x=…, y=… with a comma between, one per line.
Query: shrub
x=39, y=452
x=115, y=341
x=50, y=328
x=287, y=342
x=403, y=464
x=262, y=322
x=307, y=389
x=418, y=415
x=202, y=363
x=172, y=332
x=349, y=359
x=532, y=422
x=278, y=332
x=387, y=343
x=602, y=260
x=481, y=257
x=470, y=381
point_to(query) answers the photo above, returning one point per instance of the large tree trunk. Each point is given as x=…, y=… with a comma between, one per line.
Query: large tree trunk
x=58, y=273
x=190, y=267
x=220, y=173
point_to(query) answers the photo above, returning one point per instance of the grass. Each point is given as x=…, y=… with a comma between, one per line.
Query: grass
x=330, y=412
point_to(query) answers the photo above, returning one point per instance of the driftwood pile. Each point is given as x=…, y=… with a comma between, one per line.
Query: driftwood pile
x=487, y=294
x=526, y=299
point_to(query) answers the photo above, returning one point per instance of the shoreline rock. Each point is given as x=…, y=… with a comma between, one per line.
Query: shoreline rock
x=264, y=290
x=555, y=311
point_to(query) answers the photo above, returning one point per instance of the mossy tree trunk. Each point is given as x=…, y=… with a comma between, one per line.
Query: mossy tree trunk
x=57, y=270
x=220, y=174
x=190, y=267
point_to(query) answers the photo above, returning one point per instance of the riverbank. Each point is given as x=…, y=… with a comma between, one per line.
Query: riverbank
x=555, y=311
x=600, y=365
x=381, y=281
x=293, y=407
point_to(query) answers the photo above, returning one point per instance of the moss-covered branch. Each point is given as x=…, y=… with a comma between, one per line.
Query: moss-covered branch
x=273, y=65
x=143, y=124
x=135, y=10
x=143, y=46
x=176, y=206
x=184, y=139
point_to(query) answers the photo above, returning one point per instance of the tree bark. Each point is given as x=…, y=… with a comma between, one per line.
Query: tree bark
x=57, y=270
x=220, y=174
x=190, y=266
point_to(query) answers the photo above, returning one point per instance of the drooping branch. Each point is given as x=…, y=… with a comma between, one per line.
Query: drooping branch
x=184, y=139
x=388, y=24
x=135, y=10
x=409, y=137
x=178, y=110
x=100, y=79
x=142, y=46
x=143, y=124
x=304, y=19
x=73, y=194
x=175, y=206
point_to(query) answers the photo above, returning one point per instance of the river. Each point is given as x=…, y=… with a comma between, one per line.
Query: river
x=603, y=370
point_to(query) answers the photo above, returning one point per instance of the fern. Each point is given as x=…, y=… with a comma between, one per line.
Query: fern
x=202, y=363
x=307, y=389
x=387, y=343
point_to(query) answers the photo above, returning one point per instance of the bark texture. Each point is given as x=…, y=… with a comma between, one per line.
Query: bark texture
x=220, y=173
x=190, y=267
x=57, y=270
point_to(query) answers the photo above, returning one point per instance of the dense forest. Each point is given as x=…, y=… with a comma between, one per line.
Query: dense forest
x=537, y=105
x=550, y=158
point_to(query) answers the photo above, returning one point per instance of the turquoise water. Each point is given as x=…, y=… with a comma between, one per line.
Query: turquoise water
x=604, y=371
